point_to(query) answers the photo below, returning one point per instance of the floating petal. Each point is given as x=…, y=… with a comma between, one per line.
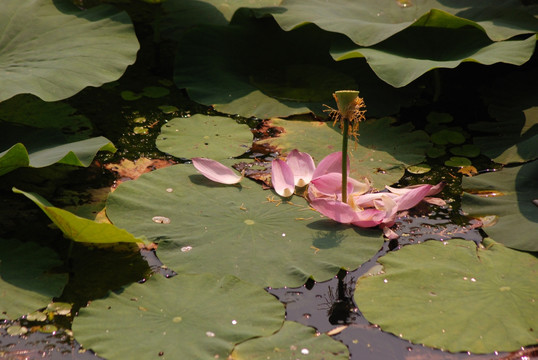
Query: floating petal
x=282, y=178
x=216, y=171
x=302, y=165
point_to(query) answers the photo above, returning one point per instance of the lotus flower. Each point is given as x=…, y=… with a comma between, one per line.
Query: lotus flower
x=372, y=209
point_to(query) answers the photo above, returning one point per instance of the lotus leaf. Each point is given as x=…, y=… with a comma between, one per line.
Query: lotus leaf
x=215, y=137
x=453, y=296
x=409, y=54
x=286, y=73
x=26, y=280
x=37, y=57
x=31, y=111
x=509, y=195
x=458, y=161
x=293, y=341
x=184, y=317
x=77, y=228
x=382, y=153
x=45, y=147
x=183, y=14
x=370, y=22
x=239, y=230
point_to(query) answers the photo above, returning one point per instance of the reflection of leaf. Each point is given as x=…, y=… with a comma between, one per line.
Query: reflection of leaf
x=236, y=229
x=37, y=57
x=454, y=296
x=77, y=228
x=293, y=341
x=26, y=280
x=518, y=216
x=380, y=146
x=214, y=137
x=184, y=317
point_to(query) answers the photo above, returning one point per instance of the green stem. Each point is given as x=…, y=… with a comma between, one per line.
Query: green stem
x=345, y=135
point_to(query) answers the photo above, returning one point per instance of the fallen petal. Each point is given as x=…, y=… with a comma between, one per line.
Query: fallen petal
x=389, y=233
x=369, y=218
x=331, y=163
x=282, y=178
x=434, y=201
x=334, y=209
x=331, y=184
x=412, y=197
x=302, y=165
x=216, y=171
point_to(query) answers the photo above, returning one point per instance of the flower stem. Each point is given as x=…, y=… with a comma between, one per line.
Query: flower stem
x=345, y=135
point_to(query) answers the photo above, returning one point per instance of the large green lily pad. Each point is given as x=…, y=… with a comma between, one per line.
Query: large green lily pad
x=382, y=153
x=79, y=229
x=293, y=341
x=453, y=296
x=409, y=54
x=236, y=230
x=214, y=137
x=184, y=317
x=507, y=194
x=40, y=59
x=27, y=279
x=370, y=22
x=232, y=69
x=39, y=148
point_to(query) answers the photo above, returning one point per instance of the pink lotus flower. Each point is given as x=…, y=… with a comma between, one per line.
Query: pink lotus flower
x=363, y=208
x=299, y=170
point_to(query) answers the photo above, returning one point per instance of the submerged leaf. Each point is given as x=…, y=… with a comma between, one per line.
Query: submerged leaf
x=453, y=296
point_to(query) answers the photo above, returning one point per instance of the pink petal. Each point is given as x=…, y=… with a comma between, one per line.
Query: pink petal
x=216, y=171
x=412, y=196
x=302, y=165
x=369, y=218
x=369, y=200
x=331, y=163
x=334, y=209
x=389, y=233
x=331, y=184
x=434, y=201
x=359, y=187
x=434, y=189
x=282, y=178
